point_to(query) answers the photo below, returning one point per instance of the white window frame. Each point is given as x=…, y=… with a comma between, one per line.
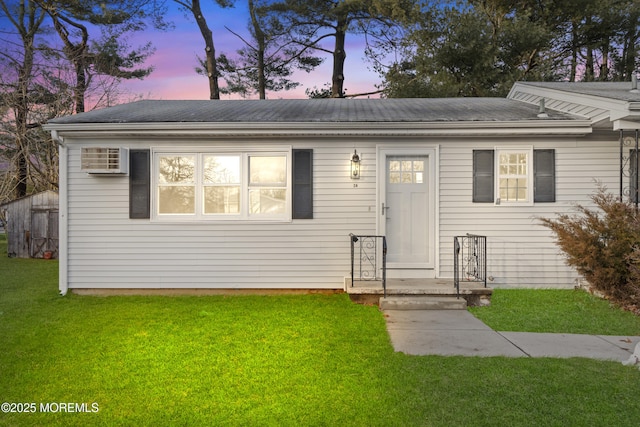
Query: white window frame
x=199, y=214
x=529, y=175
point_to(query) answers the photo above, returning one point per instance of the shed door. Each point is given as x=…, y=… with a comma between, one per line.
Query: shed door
x=43, y=233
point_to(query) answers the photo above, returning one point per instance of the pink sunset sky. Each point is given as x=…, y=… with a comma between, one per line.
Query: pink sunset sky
x=175, y=58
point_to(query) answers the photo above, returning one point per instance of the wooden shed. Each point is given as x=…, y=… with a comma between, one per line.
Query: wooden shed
x=32, y=226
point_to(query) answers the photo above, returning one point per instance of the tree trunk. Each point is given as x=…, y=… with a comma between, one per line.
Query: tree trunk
x=21, y=109
x=574, y=51
x=262, y=81
x=260, y=39
x=210, y=52
x=604, y=65
x=21, y=106
x=339, y=57
x=76, y=54
x=589, y=72
x=21, y=158
x=630, y=52
x=81, y=86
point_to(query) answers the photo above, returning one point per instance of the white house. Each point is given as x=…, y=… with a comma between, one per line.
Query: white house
x=260, y=194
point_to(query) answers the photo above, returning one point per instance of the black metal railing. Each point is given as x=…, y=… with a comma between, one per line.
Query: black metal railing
x=469, y=260
x=629, y=166
x=367, y=263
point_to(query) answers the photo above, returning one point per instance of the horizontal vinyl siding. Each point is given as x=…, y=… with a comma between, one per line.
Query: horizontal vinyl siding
x=521, y=253
x=109, y=250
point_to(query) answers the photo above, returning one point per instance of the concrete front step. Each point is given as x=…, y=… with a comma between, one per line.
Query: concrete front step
x=423, y=303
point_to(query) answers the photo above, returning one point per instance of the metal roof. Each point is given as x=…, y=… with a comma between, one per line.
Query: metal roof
x=607, y=105
x=619, y=91
x=317, y=111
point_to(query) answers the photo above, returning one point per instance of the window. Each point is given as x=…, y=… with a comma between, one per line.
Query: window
x=221, y=186
x=176, y=184
x=516, y=176
x=267, y=185
x=406, y=171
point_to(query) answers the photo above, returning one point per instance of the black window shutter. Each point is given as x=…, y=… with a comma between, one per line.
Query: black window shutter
x=139, y=184
x=544, y=176
x=302, y=184
x=483, y=181
x=633, y=176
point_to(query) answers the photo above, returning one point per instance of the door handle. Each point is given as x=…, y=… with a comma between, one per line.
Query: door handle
x=384, y=209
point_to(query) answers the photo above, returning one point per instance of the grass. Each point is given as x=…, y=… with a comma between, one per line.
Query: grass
x=555, y=310
x=312, y=360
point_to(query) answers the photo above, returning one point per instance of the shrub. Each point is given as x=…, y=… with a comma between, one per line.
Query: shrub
x=634, y=279
x=603, y=246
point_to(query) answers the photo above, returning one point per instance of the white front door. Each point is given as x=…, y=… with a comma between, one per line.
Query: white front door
x=407, y=211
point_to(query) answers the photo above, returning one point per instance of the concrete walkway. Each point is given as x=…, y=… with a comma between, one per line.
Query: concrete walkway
x=459, y=333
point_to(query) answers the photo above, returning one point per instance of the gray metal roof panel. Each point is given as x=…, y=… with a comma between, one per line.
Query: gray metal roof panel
x=315, y=111
x=620, y=91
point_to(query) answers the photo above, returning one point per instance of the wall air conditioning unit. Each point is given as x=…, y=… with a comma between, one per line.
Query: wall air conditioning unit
x=104, y=160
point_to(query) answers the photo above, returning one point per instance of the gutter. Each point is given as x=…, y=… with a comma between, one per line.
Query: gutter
x=626, y=124
x=328, y=129
x=634, y=106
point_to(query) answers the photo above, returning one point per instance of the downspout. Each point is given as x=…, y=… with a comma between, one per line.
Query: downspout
x=63, y=226
x=636, y=196
x=621, y=165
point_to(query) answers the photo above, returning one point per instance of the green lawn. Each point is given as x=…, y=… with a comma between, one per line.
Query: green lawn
x=281, y=360
x=555, y=310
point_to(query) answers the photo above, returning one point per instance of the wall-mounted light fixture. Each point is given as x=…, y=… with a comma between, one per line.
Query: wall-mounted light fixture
x=355, y=165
